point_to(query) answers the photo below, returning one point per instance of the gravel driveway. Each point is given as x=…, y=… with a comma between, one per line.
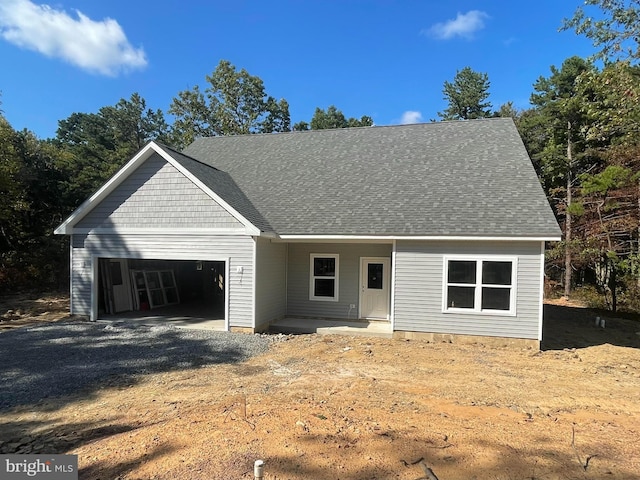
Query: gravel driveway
x=63, y=358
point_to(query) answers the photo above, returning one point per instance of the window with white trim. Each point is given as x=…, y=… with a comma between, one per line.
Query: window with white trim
x=323, y=281
x=480, y=285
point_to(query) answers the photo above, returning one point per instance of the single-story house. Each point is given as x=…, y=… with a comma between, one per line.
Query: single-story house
x=435, y=228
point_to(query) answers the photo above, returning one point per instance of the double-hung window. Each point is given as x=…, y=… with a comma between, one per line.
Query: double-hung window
x=480, y=285
x=323, y=281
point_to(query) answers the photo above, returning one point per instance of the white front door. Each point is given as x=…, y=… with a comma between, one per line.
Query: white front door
x=374, y=287
x=121, y=286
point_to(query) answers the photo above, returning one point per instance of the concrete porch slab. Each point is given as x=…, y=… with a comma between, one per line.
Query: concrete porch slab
x=332, y=327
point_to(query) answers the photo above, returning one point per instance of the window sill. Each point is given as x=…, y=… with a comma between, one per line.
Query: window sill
x=323, y=299
x=469, y=311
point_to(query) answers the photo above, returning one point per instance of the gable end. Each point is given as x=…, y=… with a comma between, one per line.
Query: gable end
x=157, y=195
x=154, y=191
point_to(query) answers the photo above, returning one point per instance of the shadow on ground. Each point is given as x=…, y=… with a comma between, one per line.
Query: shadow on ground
x=572, y=327
x=38, y=437
x=63, y=359
x=119, y=469
x=445, y=459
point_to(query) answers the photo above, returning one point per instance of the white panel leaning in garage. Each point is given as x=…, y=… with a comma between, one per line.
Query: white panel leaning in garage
x=430, y=230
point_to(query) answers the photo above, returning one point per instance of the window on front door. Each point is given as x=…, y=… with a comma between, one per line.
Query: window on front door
x=323, y=281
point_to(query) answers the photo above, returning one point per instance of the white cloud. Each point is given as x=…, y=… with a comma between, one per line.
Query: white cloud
x=464, y=25
x=411, y=116
x=100, y=47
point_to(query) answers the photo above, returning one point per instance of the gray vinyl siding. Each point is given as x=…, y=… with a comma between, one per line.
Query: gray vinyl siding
x=237, y=249
x=298, y=303
x=419, y=275
x=157, y=195
x=80, y=297
x=271, y=281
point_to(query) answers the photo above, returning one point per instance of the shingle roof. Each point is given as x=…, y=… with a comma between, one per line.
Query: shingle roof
x=222, y=184
x=463, y=178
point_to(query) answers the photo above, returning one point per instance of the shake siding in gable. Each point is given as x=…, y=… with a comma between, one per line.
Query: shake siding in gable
x=157, y=195
x=236, y=249
x=419, y=269
x=271, y=281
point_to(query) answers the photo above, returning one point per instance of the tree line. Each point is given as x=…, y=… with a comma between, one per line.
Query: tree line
x=581, y=132
x=44, y=180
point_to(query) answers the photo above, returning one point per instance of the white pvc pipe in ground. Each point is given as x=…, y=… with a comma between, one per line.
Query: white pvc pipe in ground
x=258, y=468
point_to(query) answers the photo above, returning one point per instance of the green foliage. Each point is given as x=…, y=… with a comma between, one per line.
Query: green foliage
x=576, y=209
x=277, y=118
x=236, y=100
x=301, y=126
x=591, y=296
x=558, y=119
x=334, y=118
x=613, y=108
x=93, y=146
x=133, y=124
x=467, y=96
x=508, y=110
x=31, y=208
x=532, y=126
x=42, y=181
x=557, y=93
x=617, y=34
x=611, y=178
x=571, y=162
x=363, y=121
x=11, y=193
x=192, y=117
x=234, y=103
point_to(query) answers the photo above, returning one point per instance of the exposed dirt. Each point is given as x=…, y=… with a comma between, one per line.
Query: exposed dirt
x=24, y=309
x=355, y=408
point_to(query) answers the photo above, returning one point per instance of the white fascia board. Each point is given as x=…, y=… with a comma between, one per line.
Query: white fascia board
x=392, y=315
x=250, y=228
x=161, y=231
x=391, y=238
x=541, y=299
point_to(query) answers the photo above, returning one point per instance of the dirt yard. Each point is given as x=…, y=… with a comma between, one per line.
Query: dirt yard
x=355, y=408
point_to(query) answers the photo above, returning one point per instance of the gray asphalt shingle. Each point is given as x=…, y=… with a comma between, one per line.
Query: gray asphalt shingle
x=464, y=178
x=223, y=185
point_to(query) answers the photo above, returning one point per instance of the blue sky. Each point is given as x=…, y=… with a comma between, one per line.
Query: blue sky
x=383, y=58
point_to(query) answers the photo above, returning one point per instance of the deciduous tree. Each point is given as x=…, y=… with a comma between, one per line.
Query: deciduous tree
x=233, y=103
x=31, y=207
x=616, y=32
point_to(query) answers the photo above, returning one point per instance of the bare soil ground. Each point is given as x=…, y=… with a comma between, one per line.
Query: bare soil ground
x=24, y=309
x=335, y=407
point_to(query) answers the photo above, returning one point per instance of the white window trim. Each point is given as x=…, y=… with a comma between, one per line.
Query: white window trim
x=336, y=287
x=477, y=310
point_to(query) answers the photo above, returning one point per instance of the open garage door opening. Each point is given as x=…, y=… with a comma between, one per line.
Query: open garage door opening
x=183, y=292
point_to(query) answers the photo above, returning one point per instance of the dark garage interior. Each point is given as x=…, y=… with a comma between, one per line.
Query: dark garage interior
x=184, y=288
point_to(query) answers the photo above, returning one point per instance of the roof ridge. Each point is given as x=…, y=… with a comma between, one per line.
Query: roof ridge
x=341, y=129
